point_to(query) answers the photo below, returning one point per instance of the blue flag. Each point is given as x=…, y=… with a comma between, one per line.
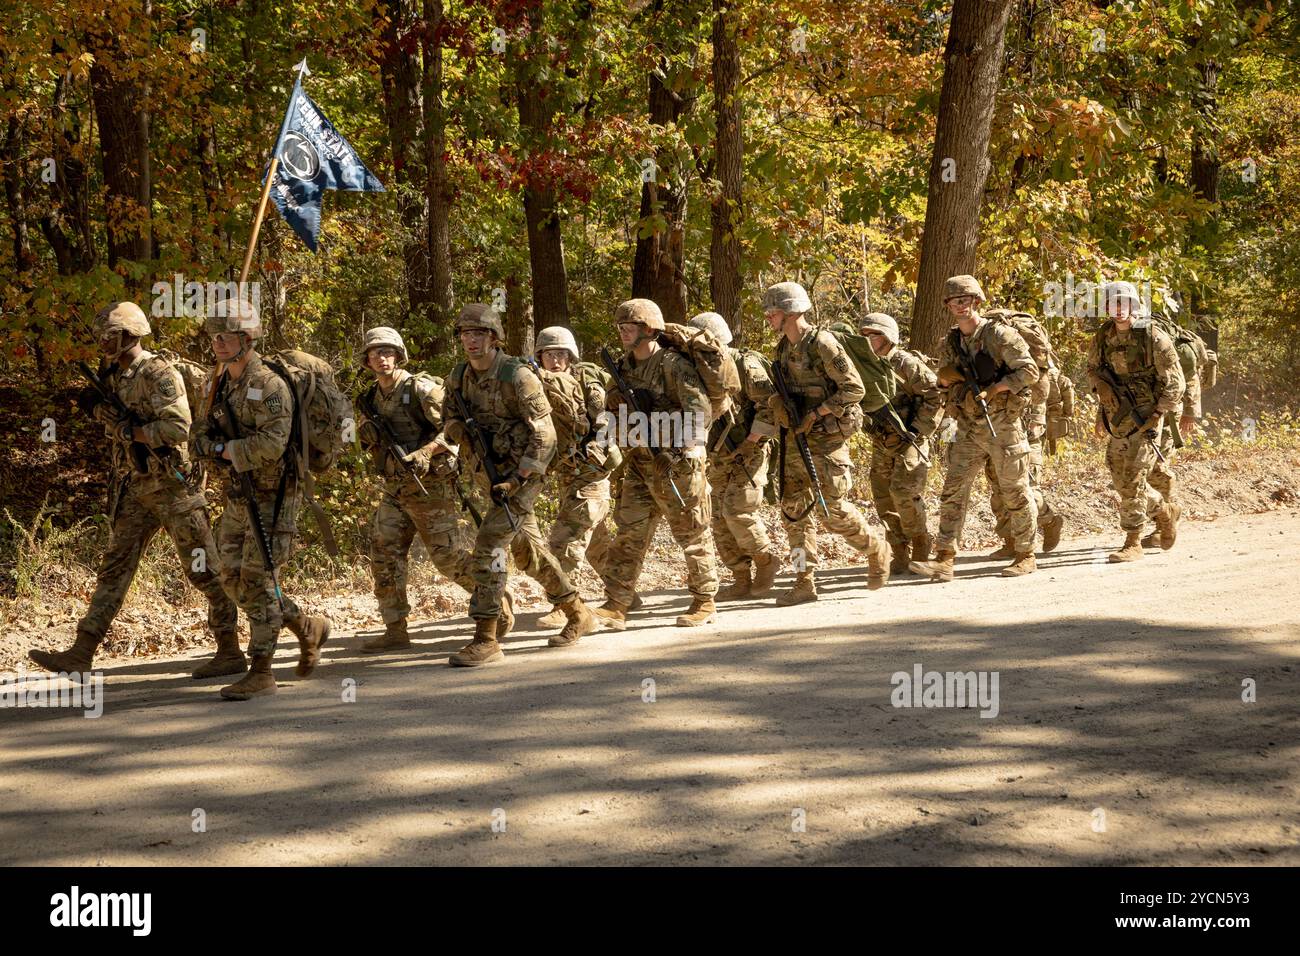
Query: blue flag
x=314, y=157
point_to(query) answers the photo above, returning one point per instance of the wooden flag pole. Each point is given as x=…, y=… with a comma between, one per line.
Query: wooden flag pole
x=257, y=222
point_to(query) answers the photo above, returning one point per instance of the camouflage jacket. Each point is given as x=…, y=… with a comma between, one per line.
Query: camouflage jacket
x=819, y=372
x=263, y=409
x=1015, y=366
x=412, y=410
x=508, y=401
x=918, y=400
x=672, y=386
x=1144, y=359
x=153, y=391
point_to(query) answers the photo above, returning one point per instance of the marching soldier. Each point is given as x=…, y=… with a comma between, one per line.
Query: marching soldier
x=582, y=466
x=739, y=450
x=659, y=479
x=827, y=390
x=251, y=413
x=898, y=472
x=1138, y=380
x=401, y=427
x=150, y=482
x=1162, y=477
x=496, y=411
x=988, y=372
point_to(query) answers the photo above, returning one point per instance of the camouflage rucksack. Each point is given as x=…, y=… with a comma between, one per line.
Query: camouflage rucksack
x=192, y=374
x=568, y=408
x=1060, y=407
x=711, y=359
x=1031, y=330
x=1193, y=355
x=877, y=375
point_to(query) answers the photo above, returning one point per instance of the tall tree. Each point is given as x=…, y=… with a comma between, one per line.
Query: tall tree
x=726, y=210
x=960, y=164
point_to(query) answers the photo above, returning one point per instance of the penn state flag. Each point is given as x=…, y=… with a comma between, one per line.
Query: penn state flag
x=314, y=157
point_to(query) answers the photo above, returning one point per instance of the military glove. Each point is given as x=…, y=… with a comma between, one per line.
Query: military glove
x=121, y=430
x=663, y=464
x=808, y=422
x=88, y=399
x=418, y=460
x=779, y=415
x=504, y=489
x=1152, y=423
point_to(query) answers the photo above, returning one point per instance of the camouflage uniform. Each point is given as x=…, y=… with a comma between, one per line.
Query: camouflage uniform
x=1035, y=420
x=582, y=474
x=263, y=408
x=898, y=474
x=413, y=411
x=737, y=478
x=672, y=385
x=144, y=502
x=819, y=372
x=1007, y=455
x=1162, y=473
x=1145, y=360
x=508, y=401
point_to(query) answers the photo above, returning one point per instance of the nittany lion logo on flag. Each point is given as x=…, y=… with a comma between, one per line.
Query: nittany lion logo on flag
x=298, y=156
x=312, y=157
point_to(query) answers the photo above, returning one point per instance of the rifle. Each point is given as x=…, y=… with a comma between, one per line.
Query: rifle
x=971, y=377
x=389, y=440
x=483, y=452
x=1127, y=403
x=794, y=414
x=138, y=449
x=886, y=417
x=631, y=398
x=229, y=427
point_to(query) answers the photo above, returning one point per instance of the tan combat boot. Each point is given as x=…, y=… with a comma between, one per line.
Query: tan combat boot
x=506, y=617
x=803, y=591
x=1024, y=564
x=921, y=545
x=393, y=638
x=701, y=611
x=1152, y=540
x=1167, y=524
x=741, y=588
x=901, y=556
x=1008, y=550
x=312, y=631
x=258, y=682
x=1131, y=550
x=1051, y=529
x=552, y=618
x=611, y=614
x=878, y=565
x=75, y=660
x=765, y=567
x=579, y=621
x=636, y=604
x=228, y=660
x=483, y=649
x=940, y=569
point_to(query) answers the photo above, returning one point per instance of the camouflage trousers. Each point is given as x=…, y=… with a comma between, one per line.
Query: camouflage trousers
x=583, y=506
x=737, y=494
x=1042, y=507
x=645, y=497
x=1162, y=477
x=404, y=512
x=898, y=492
x=243, y=570
x=1006, y=458
x=146, y=505
x=834, y=472
x=1130, y=461
x=496, y=542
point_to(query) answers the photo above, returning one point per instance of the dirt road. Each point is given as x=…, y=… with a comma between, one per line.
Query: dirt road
x=1121, y=734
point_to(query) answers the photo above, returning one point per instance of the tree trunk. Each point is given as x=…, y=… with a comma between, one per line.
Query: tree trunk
x=658, y=265
x=123, y=134
x=519, y=323
x=960, y=165
x=437, y=187
x=1205, y=186
x=726, y=212
x=537, y=108
x=74, y=249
